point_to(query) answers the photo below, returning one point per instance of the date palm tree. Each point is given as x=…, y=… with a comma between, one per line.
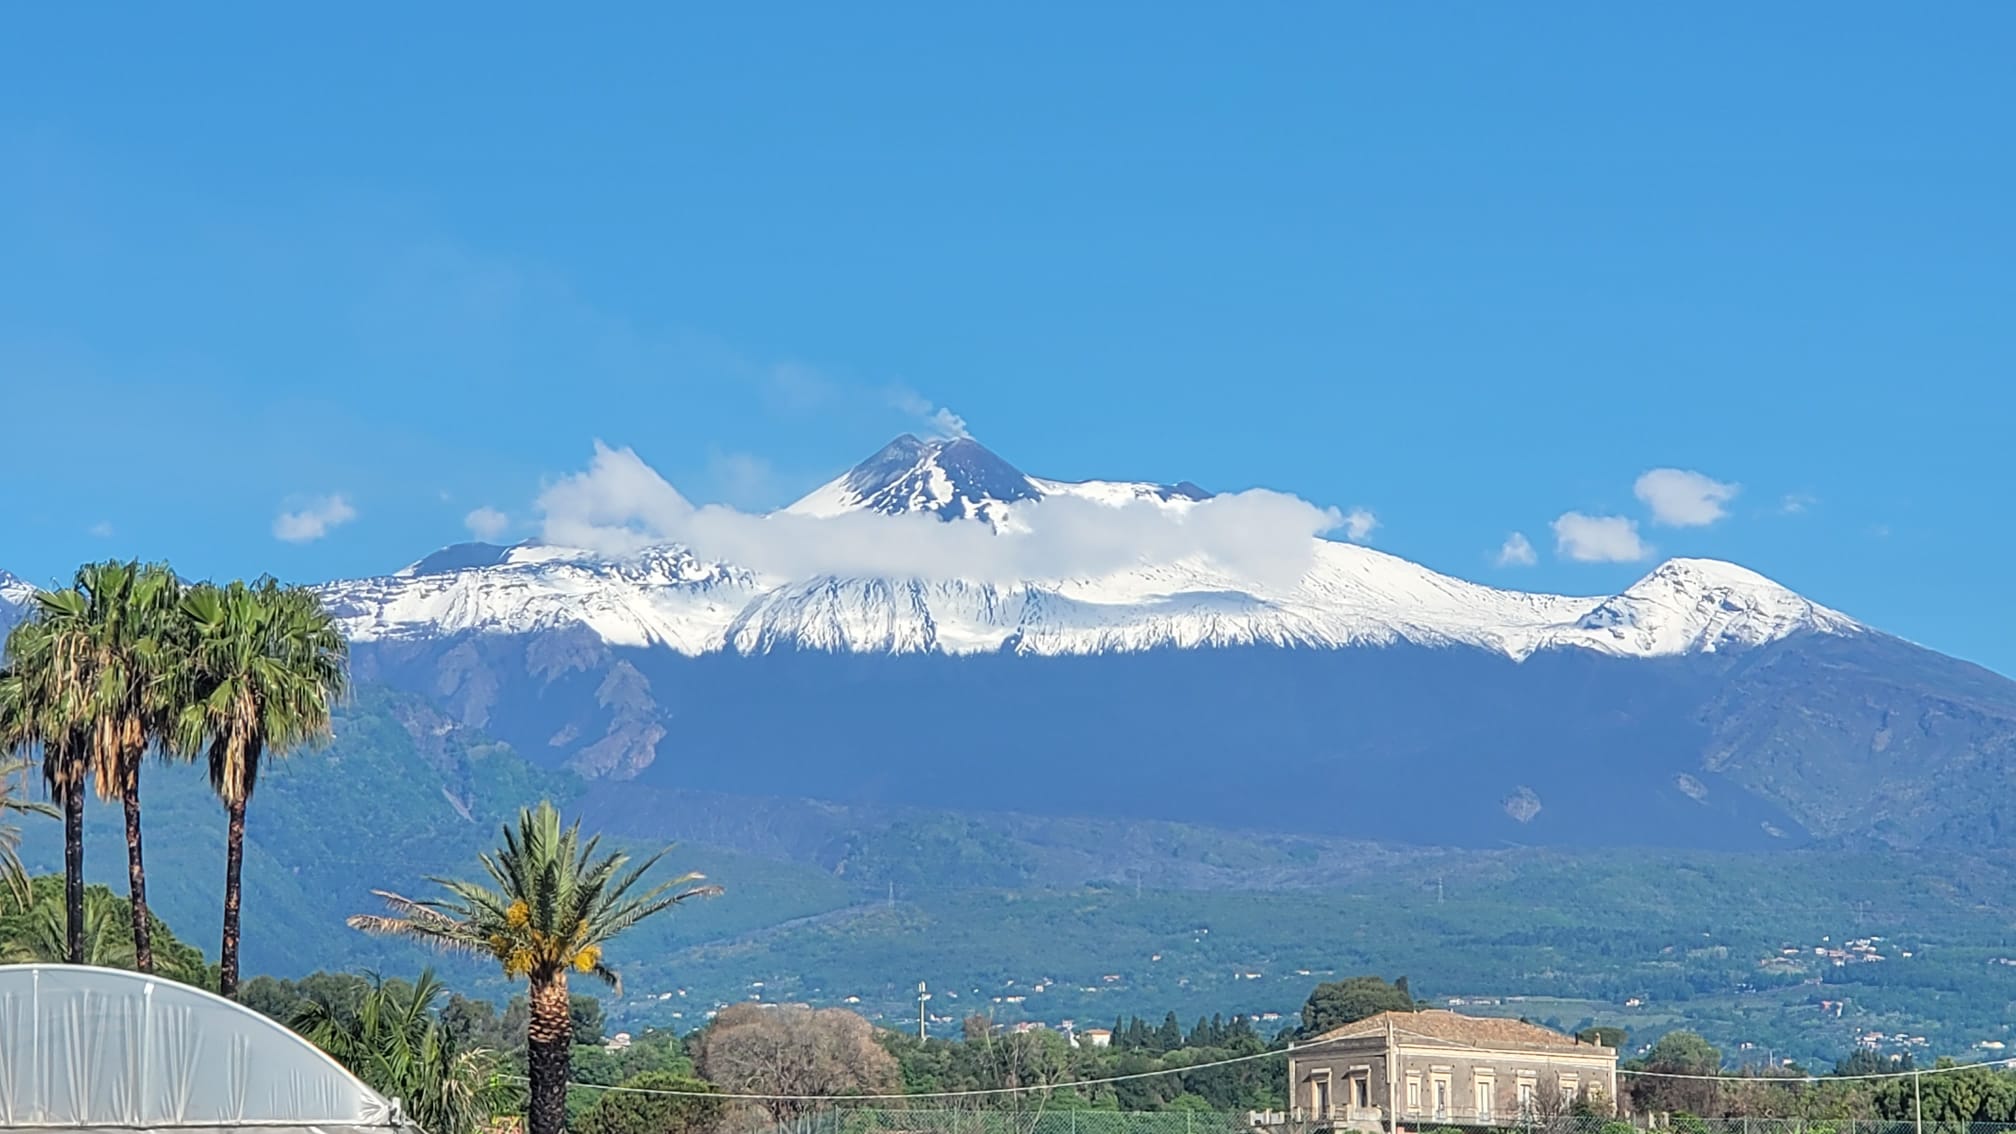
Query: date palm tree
x=118, y=623
x=264, y=666
x=38, y=714
x=552, y=903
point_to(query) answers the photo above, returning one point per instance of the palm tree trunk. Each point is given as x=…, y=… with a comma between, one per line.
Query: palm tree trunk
x=73, y=872
x=234, y=864
x=136, y=870
x=549, y=1038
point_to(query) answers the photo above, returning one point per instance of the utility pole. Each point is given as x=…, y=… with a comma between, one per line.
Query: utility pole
x=922, y=996
x=1917, y=1103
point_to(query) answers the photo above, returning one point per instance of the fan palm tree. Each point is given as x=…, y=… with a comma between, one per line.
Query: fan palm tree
x=38, y=714
x=14, y=802
x=118, y=621
x=552, y=904
x=265, y=664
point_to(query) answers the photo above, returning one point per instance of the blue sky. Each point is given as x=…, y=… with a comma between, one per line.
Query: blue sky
x=1469, y=268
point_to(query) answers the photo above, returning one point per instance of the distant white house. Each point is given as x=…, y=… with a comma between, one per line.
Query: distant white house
x=1097, y=1037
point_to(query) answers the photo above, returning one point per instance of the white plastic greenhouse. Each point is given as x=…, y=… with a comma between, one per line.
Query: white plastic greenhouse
x=92, y=1049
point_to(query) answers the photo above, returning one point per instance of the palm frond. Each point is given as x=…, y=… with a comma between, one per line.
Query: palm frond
x=554, y=902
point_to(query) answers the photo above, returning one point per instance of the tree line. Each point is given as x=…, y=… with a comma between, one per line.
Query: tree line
x=1863, y=1085
x=1133, y=1033
x=128, y=662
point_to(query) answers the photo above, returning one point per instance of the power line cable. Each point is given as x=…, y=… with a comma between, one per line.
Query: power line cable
x=1635, y=1074
x=973, y=1093
x=1034, y=1088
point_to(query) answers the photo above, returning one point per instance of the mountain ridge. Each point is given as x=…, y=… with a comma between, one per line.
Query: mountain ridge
x=1348, y=596
x=1703, y=706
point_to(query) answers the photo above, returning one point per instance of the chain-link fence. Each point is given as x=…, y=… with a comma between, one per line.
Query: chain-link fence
x=1027, y=1117
x=1032, y=1117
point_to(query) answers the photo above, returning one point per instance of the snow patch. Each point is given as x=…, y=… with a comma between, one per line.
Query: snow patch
x=1347, y=595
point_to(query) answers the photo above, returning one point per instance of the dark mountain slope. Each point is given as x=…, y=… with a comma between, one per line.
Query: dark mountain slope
x=1814, y=736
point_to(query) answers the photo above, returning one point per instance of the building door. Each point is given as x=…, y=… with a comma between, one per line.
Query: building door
x=1319, y=1096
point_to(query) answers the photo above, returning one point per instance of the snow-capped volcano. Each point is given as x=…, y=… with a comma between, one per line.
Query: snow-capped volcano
x=959, y=478
x=1348, y=595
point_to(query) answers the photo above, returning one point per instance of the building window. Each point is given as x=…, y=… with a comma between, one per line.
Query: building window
x=1319, y=1094
x=1441, y=1090
x=1568, y=1089
x=1413, y=1094
x=1487, y=1101
x=1361, y=1091
x=1526, y=1096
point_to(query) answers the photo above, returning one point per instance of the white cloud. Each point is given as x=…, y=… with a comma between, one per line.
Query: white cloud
x=1796, y=502
x=1517, y=551
x=1599, y=539
x=314, y=520
x=620, y=504
x=1358, y=523
x=102, y=529
x=486, y=523
x=1681, y=498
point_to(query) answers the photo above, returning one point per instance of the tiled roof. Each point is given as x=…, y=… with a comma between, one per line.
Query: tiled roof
x=1452, y=1027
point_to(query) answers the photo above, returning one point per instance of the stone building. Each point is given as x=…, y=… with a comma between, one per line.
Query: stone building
x=1406, y=1069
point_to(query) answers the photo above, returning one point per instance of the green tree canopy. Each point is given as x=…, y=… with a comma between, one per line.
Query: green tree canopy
x=1971, y=1094
x=1683, y=1053
x=631, y=1112
x=1336, y=1003
x=1679, y=1054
